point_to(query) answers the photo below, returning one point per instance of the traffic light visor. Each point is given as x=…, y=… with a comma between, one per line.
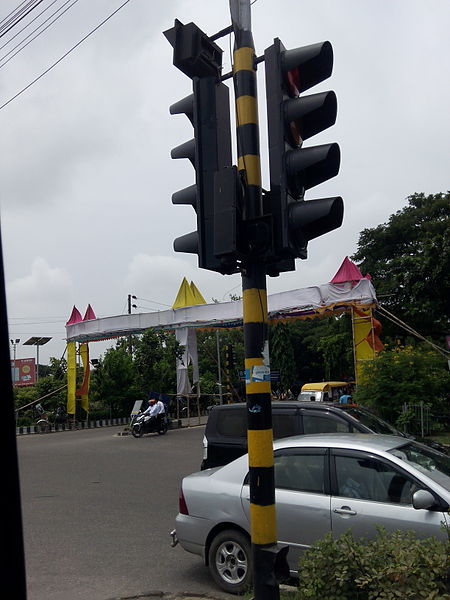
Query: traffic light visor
x=309, y=115
x=307, y=66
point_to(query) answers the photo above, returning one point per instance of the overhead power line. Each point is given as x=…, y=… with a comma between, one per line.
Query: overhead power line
x=8, y=15
x=391, y=317
x=34, y=30
x=30, y=23
x=63, y=56
x=21, y=14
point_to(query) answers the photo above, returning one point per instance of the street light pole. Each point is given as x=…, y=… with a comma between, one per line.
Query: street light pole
x=37, y=341
x=130, y=337
x=14, y=345
x=219, y=366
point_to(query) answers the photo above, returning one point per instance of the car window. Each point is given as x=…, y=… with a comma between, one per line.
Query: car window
x=371, y=421
x=284, y=425
x=430, y=462
x=232, y=423
x=320, y=423
x=370, y=479
x=300, y=472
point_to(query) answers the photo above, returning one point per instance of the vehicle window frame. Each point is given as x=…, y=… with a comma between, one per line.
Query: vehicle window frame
x=390, y=429
x=334, y=452
x=310, y=450
x=329, y=414
x=290, y=412
x=315, y=450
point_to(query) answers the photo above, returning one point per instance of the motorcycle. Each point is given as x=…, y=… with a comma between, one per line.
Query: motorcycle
x=143, y=424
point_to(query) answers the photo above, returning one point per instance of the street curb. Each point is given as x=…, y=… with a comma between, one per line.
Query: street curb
x=175, y=424
x=189, y=595
x=172, y=596
x=101, y=423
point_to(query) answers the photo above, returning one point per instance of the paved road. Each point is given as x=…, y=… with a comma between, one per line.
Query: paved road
x=98, y=509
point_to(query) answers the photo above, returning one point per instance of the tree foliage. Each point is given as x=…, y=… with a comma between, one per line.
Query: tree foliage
x=405, y=375
x=155, y=361
x=409, y=261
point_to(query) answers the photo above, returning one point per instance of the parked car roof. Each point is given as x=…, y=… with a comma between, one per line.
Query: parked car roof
x=360, y=441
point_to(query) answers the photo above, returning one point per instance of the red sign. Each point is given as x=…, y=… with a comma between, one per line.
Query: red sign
x=23, y=371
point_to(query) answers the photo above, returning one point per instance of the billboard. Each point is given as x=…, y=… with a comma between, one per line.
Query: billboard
x=23, y=371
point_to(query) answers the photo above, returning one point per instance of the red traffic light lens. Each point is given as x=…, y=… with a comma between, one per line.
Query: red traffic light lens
x=293, y=82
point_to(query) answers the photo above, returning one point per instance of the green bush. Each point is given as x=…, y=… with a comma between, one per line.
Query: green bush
x=392, y=565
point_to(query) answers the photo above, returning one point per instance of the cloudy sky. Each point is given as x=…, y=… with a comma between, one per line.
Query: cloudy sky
x=86, y=177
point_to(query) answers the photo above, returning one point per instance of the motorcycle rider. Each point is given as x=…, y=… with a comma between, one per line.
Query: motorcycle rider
x=156, y=410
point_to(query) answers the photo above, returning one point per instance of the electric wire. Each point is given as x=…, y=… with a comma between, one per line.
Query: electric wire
x=37, y=35
x=30, y=23
x=25, y=13
x=391, y=317
x=63, y=56
x=8, y=15
x=14, y=14
x=153, y=301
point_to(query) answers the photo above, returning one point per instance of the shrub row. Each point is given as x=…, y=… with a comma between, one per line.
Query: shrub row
x=392, y=565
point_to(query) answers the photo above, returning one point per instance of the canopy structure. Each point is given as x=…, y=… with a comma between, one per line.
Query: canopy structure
x=301, y=303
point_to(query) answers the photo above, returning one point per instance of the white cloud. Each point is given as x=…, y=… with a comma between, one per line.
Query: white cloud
x=86, y=177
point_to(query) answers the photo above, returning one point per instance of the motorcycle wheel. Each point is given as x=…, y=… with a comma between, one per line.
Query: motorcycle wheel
x=137, y=432
x=43, y=426
x=163, y=429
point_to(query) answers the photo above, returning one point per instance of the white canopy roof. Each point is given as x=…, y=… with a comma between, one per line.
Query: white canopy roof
x=303, y=302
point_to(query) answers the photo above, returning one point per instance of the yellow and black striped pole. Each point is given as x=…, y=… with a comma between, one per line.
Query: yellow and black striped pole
x=265, y=552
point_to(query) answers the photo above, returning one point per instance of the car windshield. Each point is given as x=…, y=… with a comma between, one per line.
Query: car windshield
x=308, y=396
x=430, y=462
x=371, y=421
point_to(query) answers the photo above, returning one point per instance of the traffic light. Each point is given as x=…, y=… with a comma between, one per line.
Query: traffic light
x=208, y=109
x=292, y=119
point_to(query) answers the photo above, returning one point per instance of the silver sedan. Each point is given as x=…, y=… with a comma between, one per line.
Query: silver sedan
x=326, y=482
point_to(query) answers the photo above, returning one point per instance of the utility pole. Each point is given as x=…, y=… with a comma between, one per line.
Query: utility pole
x=242, y=228
x=219, y=366
x=130, y=306
x=266, y=553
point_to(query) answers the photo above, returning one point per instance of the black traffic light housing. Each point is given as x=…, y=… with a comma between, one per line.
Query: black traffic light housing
x=208, y=109
x=292, y=119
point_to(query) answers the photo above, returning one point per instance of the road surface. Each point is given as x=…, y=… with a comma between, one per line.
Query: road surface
x=98, y=509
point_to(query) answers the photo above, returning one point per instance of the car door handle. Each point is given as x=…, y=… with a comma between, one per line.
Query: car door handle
x=344, y=510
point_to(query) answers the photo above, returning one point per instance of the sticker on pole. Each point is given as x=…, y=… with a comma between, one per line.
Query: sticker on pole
x=261, y=373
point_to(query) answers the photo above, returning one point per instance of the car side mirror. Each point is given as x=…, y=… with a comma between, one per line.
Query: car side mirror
x=423, y=499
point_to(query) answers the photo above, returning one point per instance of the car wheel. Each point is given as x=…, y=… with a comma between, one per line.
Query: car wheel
x=230, y=561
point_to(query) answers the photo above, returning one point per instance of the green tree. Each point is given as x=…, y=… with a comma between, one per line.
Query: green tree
x=323, y=349
x=405, y=375
x=207, y=359
x=155, y=361
x=282, y=356
x=113, y=383
x=409, y=261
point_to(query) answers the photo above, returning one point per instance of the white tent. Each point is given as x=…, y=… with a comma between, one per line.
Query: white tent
x=323, y=299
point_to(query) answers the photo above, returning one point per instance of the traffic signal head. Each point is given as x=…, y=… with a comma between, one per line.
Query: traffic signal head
x=209, y=151
x=194, y=53
x=292, y=119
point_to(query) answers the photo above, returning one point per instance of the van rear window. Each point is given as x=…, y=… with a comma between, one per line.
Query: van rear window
x=284, y=425
x=232, y=423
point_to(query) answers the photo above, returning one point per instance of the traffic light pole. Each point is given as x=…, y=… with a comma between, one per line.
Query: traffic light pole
x=255, y=318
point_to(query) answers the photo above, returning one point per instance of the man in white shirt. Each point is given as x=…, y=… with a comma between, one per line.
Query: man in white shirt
x=155, y=409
